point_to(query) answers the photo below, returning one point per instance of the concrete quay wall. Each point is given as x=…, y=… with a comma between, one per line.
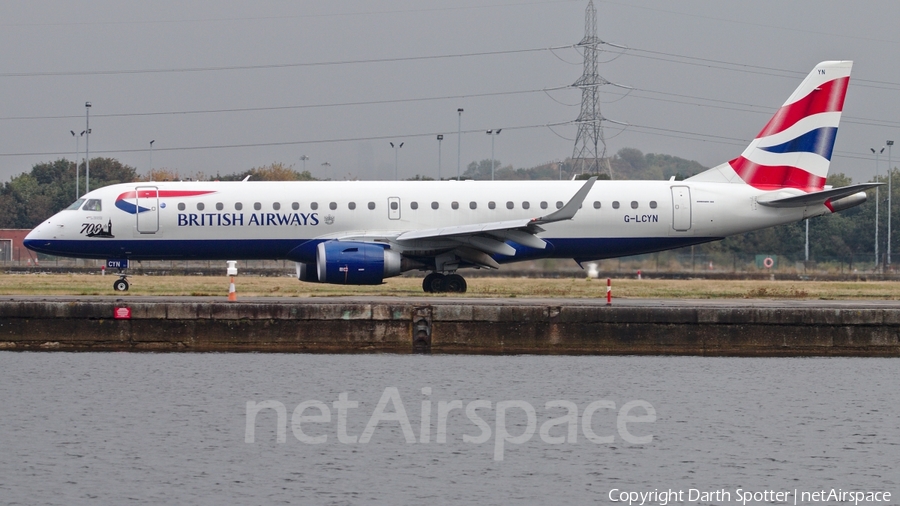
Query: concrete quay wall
x=445, y=326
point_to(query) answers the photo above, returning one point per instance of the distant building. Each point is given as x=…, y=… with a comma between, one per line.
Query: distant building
x=12, y=247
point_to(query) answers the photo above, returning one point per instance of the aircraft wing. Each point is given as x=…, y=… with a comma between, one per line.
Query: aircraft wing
x=475, y=242
x=815, y=198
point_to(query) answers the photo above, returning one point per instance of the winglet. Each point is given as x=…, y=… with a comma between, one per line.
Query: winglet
x=568, y=211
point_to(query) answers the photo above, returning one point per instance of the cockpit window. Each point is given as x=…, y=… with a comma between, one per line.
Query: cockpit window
x=92, y=205
x=75, y=205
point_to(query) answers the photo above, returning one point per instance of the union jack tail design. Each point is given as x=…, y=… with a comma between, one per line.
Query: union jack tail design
x=794, y=149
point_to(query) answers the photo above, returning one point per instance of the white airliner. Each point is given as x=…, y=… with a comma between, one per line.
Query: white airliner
x=361, y=232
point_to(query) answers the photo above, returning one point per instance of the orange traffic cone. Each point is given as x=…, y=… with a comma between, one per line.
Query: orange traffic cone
x=232, y=295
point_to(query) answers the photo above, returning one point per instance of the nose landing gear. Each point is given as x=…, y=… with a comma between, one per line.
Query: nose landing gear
x=440, y=283
x=121, y=284
x=120, y=264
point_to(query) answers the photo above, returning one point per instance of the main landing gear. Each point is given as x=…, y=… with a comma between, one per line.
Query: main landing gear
x=440, y=283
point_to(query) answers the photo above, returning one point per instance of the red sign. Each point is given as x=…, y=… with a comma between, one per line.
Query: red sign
x=122, y=313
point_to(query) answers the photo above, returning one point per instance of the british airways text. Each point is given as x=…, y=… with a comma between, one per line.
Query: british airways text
x=239, y=220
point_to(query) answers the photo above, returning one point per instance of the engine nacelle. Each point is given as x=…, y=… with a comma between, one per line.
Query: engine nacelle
x=306, y=272
x=355, y=263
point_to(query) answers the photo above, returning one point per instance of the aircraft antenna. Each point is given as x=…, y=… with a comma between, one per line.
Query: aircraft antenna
x=590, y=145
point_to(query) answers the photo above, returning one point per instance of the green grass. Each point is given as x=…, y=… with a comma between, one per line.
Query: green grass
x=86, y=284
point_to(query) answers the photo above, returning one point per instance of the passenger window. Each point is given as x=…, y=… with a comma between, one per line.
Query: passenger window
x=276, y=206
x=92, y=205
x=510, y=205
x=596, y=204
x=492, y=205
x=652, y=204
x=200, y=206
x=219, y=206
x=181, y=206
x=238, y=206
x=395, y=206
x=525, y=205
x=295, y=206
x=615, y=204
x=559, y=204
x=371, y=205
x=413, y=205
x=257, y=206
x=313, y=205
x=473, y=205
x=634, y=204
x=434, y=205
x=544, y=205
x=332, y=206
x=351, y=206
x=454, y=205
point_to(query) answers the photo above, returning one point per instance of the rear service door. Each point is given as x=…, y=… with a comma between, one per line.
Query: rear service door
x=681, y=208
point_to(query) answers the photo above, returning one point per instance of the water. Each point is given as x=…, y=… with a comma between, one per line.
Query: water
x=120, y=428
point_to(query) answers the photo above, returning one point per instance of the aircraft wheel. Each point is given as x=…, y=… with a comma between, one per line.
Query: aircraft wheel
x=120, y=285
x=455, y=283
x=433, y=283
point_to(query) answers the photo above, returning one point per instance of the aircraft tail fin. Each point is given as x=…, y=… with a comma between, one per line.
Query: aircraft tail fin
x=794, y=149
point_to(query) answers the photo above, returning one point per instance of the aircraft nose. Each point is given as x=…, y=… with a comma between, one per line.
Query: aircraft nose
x=42, y=234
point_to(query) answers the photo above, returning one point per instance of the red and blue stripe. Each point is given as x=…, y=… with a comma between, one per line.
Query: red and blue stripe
x=818, y=140
x=123, y=204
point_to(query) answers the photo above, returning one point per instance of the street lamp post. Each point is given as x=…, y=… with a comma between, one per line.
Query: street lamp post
x=396, y=150
x=327, y=168
x=493, y=133
x=151, y=155
x=440, y=137
x=806, y=249
x=458, y=144
x=877, y=198
x=890, y=192
x=304, y=158
x=77, y=150
x=87, y=149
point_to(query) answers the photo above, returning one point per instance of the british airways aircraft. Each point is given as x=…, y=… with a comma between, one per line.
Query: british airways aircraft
x=361, y=232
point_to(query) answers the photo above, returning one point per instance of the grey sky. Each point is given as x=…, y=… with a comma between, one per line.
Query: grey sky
x=707, y=75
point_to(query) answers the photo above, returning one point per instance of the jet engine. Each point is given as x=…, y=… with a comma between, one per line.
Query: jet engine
x=351, y=263
x=307, y=272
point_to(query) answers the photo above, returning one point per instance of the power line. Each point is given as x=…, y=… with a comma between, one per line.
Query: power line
x=289, y=107
x=282, y=143
x=746, y=68
x=71, y=73
x=284, y=17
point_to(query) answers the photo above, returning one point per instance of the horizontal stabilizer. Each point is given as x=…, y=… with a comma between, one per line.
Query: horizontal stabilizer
x=818, y=198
